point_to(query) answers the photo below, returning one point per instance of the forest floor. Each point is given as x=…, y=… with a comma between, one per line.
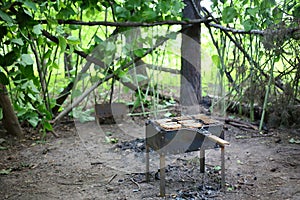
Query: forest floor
x=108, y=162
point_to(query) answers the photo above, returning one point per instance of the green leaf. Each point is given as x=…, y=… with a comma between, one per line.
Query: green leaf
x=9, y=59
x=239, y=162
x=31, y=5
x=60, y=29
x=62, y=43
x=47, y=126
x=293, y=141
x=33, y=88
x=3, y=148
x=3, y=79
x=139, y=52
x=217, y=168
x=31, y=96
x=123, y=75
x=141, y=77
x=3, y=31
x=97, y=39
x=267, y=4
x=126, y=79
x=27, y=72
x=73, y=40
x=33, y=121
x=111, y=140
x=122, y=13
x=228, y=14
x=215, y=3
x=28, y=13
x=216, y=60
x=248, y=24
x=18, y=41
x=5, y=171
x=54, y=66
x=37, y=29
x=168, y=114
x=65, y=13
x=25, y=19
x=149, y=15
x=252, y=11
x=6, y=17
x=26, y=59
x=296, y=11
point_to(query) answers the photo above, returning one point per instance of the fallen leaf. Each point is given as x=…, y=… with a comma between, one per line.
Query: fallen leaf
x=5, y=171
x=293, y=141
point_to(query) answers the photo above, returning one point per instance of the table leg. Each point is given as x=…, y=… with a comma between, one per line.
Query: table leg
x=162, y=176
x=147, y=163
x=202, y=160
x=223, y=167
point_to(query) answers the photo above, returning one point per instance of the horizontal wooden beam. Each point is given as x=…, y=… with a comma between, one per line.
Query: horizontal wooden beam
x=217, y=140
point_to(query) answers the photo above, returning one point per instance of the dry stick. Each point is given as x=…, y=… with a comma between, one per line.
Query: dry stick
x=112, y=178
x=108, y=182
x=136, y=183
x=109, y=76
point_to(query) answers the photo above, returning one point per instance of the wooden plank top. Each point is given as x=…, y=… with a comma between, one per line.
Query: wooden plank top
x=190, y=121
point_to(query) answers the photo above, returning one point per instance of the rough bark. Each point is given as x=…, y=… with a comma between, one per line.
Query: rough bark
x=10, y=120
x=190, y=90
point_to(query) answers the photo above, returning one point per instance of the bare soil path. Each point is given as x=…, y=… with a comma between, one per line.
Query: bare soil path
x=84, y=164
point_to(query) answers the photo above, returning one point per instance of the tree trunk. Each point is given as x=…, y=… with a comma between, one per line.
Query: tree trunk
x=190, y=89
x=10, y=120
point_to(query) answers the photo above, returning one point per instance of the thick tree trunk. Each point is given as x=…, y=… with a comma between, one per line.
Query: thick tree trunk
x=10, y=120
x=190, y=90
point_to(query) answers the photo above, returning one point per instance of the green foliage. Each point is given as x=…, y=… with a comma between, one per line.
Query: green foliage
x=83, y=115
x=33, y=65
x=255, y=65
x=148, y=10
x=229, y=14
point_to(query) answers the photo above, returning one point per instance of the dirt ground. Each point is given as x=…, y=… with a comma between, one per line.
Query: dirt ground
x=83, y=163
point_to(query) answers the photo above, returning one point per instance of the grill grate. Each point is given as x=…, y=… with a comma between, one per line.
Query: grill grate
x=184, y=134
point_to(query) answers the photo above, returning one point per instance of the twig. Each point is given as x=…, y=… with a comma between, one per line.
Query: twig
x=54, y=134
x=112, y=178
x=65, y=183
x=136, y=183
x=245, y=183
x=108, y=182
x=96, y=163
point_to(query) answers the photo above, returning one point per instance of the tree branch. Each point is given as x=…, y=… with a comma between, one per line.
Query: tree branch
x=108, y=77
x=129, y=24
x=206, y=20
